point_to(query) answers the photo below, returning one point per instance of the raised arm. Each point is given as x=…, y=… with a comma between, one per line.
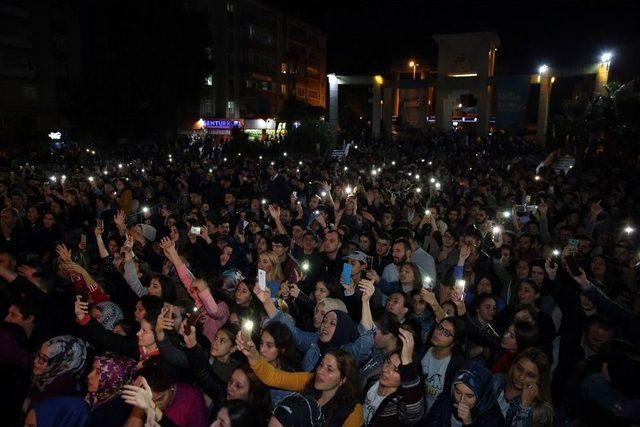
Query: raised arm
x=98, y=231
x=272, y=377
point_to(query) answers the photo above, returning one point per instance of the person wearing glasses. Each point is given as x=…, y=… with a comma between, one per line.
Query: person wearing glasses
x=57, y=365
x=443, y=358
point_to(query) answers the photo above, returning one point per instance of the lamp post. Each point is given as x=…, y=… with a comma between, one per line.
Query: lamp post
x=413, y=65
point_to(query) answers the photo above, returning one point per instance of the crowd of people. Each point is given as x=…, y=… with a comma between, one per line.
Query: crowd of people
x=451, y=281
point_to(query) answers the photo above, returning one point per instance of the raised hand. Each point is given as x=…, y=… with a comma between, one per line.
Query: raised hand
x=263, y=295
x=28, y=272
x=119, y=218
x=294, y=290
x=199, y=285
x=274, y=211
x=248, y=348
x=81, y=308
x=190, y=338
x=408, y=343
x=465, y=252
x=64, y=254
x=366, y=288
x=164, y=322
x=580, y=278
x=551, y=269
x=139, y=396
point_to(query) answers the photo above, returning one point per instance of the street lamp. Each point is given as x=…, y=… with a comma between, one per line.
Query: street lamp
x=413, y=65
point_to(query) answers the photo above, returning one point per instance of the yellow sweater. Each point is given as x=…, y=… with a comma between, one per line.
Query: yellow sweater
x=296, y=381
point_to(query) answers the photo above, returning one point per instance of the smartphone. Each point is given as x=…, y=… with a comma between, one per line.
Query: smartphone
x=83, y=238
x=346, y=274
x=100, y=223
x=459, y=287
x=262, y=280
x=427, y=283
x=192, y=320
x=195, y=230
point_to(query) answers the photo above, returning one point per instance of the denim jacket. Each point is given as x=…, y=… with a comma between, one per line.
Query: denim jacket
x=307, y=342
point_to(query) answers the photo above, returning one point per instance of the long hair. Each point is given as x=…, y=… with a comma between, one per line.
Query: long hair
x=348, y=393
x=259, y=395
x=276, y=270
x=242, y=414
x=542, y=407
x=417, y=276
x=288, y=356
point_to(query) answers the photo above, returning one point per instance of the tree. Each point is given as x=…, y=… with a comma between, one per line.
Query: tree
x=306, y=128
x=605, y=125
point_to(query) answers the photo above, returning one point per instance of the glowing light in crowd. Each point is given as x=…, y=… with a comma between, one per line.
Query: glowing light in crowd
x=438, y=185
x=432, y=180
x=52, y=178
x=555, y=252
x=606, y=57
x=543, y=69
x=120, y=165
x=323, y=194
x=497, y=229
x=348, y=189
x=506, y=214
x=346, y=168
x=145, y=209
x=629, y=230
x=91, y=179
x=418, y=190
x=537, y=178
x=427, y=212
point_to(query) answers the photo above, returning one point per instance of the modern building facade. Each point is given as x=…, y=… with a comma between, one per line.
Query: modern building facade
x=261, y=56
x=40, y=55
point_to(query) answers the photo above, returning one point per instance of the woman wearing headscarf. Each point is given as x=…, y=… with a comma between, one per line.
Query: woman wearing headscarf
x=335, y=331
x=470, y=403
x=56, y=367
x=104, y=383
x=108, y=314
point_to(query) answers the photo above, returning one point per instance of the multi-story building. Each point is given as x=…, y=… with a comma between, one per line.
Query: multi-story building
x=40, y=54
x=261, y=56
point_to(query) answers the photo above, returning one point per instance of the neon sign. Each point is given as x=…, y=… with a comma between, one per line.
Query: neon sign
x=223, y=123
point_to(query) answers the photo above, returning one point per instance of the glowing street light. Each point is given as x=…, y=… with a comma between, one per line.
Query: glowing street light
x=413, y=64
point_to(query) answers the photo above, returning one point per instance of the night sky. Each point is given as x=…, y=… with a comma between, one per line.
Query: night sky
x=365, y=36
